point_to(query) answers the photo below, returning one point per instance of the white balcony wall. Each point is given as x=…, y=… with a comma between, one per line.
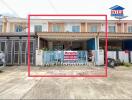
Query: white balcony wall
x=102, y=27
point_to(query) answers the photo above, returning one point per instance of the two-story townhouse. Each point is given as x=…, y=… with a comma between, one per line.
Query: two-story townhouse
x=14, y=41
x=81, y=34
x=64, y=34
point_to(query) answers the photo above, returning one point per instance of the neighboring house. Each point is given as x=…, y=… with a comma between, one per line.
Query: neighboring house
x=62, y=34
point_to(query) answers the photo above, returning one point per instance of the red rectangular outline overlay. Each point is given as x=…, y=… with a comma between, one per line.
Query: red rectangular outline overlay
x=106, y=45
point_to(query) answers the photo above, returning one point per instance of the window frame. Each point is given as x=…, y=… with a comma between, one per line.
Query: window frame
x=112, y=25
x=17, y=28
x=56, y=25
x=37, y=27
x=128, y=28
x=75, y=28
x=93, y=26
x=68, y=27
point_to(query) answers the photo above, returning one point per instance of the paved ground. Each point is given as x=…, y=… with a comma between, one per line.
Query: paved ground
x=14, y=84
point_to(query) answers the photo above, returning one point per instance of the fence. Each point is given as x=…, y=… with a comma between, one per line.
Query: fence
x=64, y=57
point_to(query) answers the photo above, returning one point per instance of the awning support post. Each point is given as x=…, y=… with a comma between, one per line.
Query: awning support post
x=38, y=42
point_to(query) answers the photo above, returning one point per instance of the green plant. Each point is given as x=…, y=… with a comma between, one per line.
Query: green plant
x=45, y=49
x=127, y=64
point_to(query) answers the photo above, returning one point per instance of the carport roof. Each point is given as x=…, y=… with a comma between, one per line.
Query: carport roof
x=82, y=35
x=15, y=34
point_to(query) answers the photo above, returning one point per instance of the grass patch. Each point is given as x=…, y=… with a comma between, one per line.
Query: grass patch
x=127, y=64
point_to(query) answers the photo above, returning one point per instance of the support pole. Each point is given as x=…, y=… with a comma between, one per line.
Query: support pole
x=38, y=42
x=97, y=50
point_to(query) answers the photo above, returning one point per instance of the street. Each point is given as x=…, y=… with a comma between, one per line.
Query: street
x=14, y=84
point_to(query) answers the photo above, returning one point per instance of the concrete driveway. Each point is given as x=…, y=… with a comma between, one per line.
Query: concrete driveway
x=14, y=84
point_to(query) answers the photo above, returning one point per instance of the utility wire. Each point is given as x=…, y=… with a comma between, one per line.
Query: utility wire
x=52, y=5
x=10, y=8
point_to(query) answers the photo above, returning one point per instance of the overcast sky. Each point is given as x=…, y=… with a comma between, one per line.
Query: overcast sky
x=22, y=8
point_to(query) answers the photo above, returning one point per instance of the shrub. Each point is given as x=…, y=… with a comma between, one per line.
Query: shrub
x=127, y=64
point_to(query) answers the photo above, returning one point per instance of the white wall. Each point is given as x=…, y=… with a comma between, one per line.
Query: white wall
x=102, y=28
x=39, y=57
x=123, y=56
x=112, y=54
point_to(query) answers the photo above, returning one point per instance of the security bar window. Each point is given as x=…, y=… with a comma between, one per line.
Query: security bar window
x=18, y=28
x=56, y=28
x=94, y=28
x=129, y=29
x=112, y=29
x=38, y=28
x=75, y=28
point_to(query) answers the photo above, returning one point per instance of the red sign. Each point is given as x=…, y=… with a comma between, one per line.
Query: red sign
x=70, y=55
x=116, y=11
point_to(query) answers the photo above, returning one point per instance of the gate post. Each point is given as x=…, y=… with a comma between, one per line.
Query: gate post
x=97, y=50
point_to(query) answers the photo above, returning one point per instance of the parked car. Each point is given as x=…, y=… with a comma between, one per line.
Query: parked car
x=113, y=63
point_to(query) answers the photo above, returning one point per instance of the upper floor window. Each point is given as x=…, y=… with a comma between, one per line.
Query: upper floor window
x=18, y=28
x=38, y=28
x=94, y=28
x=75, y=28
x=72, y=27
x=129, y=29
x=56, y=28
x=112, y=28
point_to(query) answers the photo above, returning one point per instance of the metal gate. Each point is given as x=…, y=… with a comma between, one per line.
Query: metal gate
x=17, y=51
x=3, y=46
x=55, y=57
x=9, y=52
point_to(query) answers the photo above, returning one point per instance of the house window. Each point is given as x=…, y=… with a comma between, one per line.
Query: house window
x=112, y=29
x=56, y=28
x=0, y=28
x=38, y=28
x=94, y=28
x=75, y=28
x=18, y=28
x=129, y=29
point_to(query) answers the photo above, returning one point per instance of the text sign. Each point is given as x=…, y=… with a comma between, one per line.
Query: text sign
x=70, y=55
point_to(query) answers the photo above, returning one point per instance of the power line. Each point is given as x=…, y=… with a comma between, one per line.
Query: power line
x=10, y=8
x=52, y=5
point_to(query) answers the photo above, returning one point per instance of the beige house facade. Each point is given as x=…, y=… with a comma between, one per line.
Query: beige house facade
x=63, y=34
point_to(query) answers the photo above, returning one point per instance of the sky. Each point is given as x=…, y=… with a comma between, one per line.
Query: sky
x=21, y=8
